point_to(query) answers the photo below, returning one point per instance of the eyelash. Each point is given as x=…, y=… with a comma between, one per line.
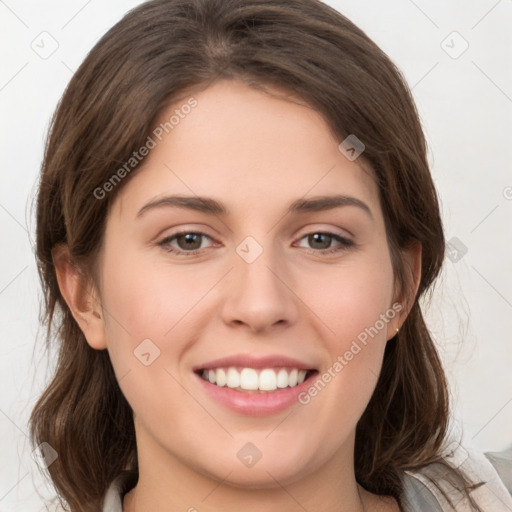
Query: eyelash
x=345, y=243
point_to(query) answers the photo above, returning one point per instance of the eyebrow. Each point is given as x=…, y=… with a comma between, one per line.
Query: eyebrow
x=212, y=206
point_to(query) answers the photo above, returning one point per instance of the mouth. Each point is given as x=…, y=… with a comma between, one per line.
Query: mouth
x=256, y=380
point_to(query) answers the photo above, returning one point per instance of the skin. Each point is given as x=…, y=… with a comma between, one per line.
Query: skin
x=256, y=154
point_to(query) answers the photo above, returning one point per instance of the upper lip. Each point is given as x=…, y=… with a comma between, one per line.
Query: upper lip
x=248, y=361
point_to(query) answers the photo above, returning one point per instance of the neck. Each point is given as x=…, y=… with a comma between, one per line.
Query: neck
x=167, y=484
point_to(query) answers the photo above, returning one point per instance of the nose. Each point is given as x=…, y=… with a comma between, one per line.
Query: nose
x=259, y=295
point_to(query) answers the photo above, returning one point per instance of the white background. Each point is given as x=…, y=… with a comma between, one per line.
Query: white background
x=466, y=106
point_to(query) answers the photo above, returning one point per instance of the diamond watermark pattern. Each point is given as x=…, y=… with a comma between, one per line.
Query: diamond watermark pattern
x=249, y=249
x=455, y=249
x=146, y=352
x=44, y=455
x=351, y=147
x=249, y=455
x=456, y=454
x=454, y=45
x=45, y=45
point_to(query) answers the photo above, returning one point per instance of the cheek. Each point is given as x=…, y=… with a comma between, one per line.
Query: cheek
x=355, y=305
x=153, y=311
x=147, y=298
x=146, y=307
x=351, y=298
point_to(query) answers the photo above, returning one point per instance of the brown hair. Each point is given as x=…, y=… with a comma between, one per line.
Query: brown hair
x=157, y=52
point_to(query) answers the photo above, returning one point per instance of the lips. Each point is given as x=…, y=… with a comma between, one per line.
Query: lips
x=248, y=361
x=255, y=386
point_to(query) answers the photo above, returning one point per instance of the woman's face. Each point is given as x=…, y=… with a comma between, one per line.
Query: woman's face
x=285, y=274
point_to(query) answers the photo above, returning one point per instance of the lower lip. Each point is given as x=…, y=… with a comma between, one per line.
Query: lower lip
x=255, y=404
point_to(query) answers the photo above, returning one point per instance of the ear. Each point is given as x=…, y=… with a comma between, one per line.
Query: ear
x=411, y=257
x=81, y=298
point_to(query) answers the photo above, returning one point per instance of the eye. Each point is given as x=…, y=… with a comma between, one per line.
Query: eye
x=188, y=243
x=321, y=242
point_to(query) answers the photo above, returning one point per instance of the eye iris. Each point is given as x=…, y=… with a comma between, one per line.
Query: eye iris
x=189, y=237
x=316, y=237
x=192, y=241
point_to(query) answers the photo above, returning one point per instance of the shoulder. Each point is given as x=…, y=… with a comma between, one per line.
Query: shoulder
x=434, y=486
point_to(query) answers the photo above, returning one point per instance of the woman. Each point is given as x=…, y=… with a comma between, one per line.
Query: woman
x=236, y=221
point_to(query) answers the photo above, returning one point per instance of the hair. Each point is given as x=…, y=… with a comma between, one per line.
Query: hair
x=155, y=54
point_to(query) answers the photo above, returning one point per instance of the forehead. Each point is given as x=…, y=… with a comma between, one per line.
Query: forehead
x=247, y=147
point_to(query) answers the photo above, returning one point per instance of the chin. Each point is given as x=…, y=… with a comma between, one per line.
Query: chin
x=266, y=473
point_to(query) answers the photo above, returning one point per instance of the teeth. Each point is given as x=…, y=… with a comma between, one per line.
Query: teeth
x=267, y=379
x=249, y=379
x=282, y=378
x=221, y=377
x=233, y=378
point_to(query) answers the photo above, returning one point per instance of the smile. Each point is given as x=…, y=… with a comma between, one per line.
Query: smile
x=254, y=380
